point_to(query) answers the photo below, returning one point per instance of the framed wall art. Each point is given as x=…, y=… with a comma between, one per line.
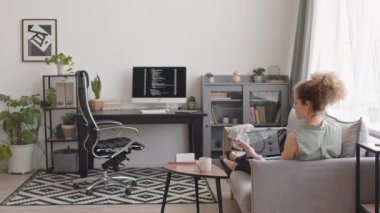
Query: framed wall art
x=39, y=39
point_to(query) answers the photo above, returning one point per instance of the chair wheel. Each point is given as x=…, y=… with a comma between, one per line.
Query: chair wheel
x=134, y=183
x=128, y=191
x=89, y=192
x=76, y=186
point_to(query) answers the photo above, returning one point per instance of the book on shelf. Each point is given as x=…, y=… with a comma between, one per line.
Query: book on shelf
x=215, y=110
x=278, y=116
x=252, y=116
x=261, y=113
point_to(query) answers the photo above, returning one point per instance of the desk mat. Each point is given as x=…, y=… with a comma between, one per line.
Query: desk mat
x=56, y=189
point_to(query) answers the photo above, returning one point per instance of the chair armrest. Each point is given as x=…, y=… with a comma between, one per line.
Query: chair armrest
x=108, y=122
x=118, y=127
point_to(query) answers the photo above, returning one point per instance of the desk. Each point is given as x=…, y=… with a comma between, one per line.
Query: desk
x=134, y=116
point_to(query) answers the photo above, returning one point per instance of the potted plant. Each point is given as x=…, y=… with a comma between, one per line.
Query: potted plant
x=21, y=120
x=51, y=97
x=210, y=77
x=96, y=104
x=68, y=125
x=64, y=63
x=191, y=103
x=258, y=74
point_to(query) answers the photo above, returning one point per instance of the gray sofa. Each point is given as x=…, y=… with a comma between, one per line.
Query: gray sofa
x=302, y=186
x=320, y=186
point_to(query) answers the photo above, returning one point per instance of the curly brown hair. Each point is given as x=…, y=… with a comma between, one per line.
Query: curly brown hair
x=322, y=89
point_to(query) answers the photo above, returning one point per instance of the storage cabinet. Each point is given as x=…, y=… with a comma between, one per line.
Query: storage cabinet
x=227, y=103
x=66, y=103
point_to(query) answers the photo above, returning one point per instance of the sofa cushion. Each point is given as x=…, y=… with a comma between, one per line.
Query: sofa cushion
x=352, y=133
x=241, y=186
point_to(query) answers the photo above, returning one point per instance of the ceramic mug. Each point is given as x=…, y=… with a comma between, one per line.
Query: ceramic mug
x=204, y=164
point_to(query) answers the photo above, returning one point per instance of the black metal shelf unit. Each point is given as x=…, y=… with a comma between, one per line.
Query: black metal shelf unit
x=50, y=139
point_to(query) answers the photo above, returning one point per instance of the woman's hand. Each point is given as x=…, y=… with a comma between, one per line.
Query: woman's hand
x=242, y=144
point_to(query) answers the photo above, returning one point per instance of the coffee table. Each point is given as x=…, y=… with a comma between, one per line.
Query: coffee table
x=191, y=169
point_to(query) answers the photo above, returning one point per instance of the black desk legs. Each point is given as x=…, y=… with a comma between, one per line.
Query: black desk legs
x=196, y=192
x=196, y=134
x=169, y=175
x=219, y=194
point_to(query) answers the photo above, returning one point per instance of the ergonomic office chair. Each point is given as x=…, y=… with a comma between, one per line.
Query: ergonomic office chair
x=114, y=149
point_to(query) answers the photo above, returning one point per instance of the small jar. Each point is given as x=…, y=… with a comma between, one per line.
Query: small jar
x=226, y=120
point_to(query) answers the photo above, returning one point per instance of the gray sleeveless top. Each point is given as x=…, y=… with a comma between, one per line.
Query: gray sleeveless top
x=319, y=142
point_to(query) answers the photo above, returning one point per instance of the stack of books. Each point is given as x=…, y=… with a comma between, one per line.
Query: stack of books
x=219, y=96
x=112, y=104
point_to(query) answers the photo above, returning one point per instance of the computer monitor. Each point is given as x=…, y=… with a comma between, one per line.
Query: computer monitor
x=159, y=85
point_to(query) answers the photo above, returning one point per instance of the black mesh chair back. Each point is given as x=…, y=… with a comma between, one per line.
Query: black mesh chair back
x=115, y=149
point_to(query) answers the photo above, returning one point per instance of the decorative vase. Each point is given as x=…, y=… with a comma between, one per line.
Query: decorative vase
x=22, y=158
x=211, y=79
x=68, y=131
x=191, y=104
x=236, y=77
x=96, y=105
x=258, y=78
x=61, y=68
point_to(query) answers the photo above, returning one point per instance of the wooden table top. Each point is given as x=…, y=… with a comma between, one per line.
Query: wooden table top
x=193, y=170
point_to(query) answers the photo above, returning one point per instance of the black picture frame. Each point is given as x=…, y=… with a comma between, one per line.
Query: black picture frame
x=39, y=39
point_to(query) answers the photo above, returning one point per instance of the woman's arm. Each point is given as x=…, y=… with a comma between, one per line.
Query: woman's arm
x=290, y=148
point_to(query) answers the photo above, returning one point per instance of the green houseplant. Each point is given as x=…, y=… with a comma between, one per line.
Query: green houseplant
x=21, y=120
x=51, y=97
x=258, y=74
x=68, y=125
x=96, y=86
x=64, y=63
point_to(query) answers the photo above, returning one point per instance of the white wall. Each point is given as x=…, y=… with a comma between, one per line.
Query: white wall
x=110, y=37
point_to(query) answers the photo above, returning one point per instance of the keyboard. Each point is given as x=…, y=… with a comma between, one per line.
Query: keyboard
x=154, y=111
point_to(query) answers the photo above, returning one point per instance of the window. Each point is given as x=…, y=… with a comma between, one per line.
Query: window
x=346, y=39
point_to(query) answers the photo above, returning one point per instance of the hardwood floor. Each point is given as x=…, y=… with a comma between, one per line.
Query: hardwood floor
x=9, y=183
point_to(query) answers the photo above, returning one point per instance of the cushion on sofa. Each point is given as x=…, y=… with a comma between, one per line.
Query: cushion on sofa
x=352, y=133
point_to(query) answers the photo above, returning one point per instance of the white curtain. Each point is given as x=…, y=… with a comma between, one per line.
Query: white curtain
x=346, y=39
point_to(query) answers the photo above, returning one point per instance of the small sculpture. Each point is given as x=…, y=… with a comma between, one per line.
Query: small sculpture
x=236, y=77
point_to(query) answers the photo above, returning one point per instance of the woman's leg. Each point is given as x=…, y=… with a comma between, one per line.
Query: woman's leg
x=241, y=164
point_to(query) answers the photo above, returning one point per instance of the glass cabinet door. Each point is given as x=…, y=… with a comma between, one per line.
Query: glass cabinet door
x=265, y=104
x=224, y=108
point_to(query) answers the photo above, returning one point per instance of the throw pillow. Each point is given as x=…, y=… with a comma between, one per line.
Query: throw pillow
x=352, y=133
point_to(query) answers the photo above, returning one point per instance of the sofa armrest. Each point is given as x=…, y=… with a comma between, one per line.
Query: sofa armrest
x=309, y=186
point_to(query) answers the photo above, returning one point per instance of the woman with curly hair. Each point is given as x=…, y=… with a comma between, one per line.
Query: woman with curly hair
x=314, y=140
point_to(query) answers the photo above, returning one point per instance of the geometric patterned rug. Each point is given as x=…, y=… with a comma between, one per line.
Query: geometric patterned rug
x=57, y=189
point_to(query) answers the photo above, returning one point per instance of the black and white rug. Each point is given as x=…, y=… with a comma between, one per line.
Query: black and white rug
x=57, y=189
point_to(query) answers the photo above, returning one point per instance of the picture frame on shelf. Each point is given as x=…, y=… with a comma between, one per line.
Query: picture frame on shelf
x=39, y=39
